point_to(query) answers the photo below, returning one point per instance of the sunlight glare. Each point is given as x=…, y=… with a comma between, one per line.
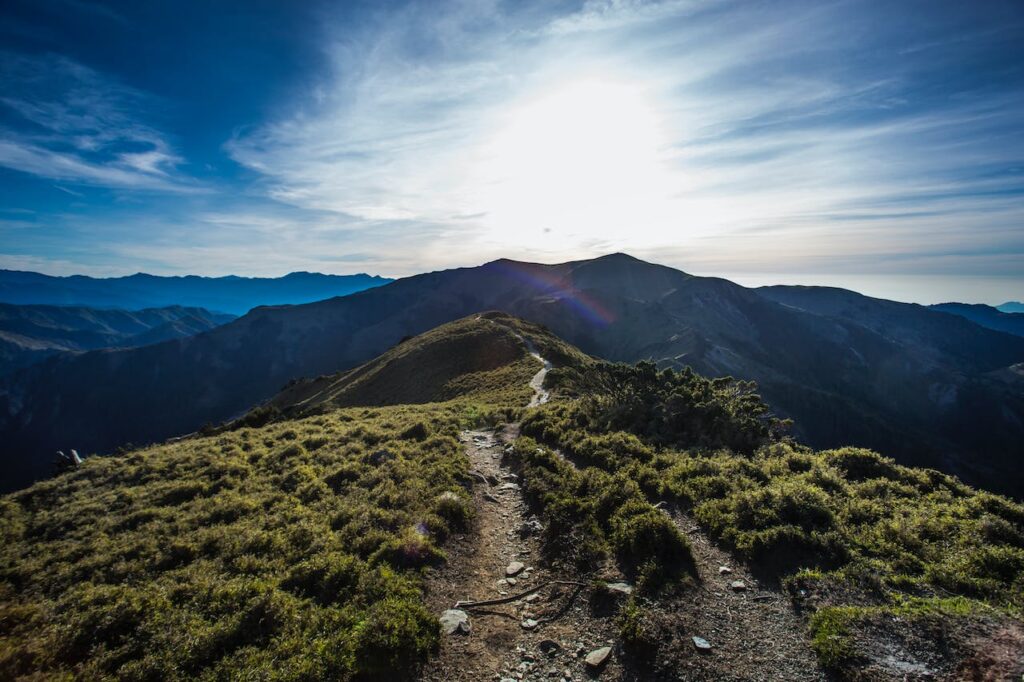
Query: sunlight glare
x=587, y=160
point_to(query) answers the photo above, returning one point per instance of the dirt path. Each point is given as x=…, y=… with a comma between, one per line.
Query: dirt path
x=755, y=632
x=498, y=645
x=540, y=396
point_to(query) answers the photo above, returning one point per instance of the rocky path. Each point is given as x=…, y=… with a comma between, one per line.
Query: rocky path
x=728, y=627
x=499, y=558
x=751, y=626
x=540, y=396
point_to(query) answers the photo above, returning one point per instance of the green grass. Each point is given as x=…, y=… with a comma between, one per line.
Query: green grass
x=591, y=514
x=292, y=543
x=848, y=523
x=480, y=357
x=833, y=629
x=291, y=551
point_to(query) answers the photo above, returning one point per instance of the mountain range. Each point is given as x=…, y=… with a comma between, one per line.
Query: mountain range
x=924, y=386
x=986, y=316
x=235, y=295
x=1011, y=307
x=31, y=333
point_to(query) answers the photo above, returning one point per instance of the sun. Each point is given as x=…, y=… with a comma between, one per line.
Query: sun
x=585, y=160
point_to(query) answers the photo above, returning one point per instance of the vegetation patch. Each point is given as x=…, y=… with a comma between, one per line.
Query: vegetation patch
x=877, y=533
x=592, y=514
x=244, y=554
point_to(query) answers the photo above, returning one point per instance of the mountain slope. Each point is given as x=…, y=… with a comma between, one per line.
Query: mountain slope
x=335, y=542
x=1011, y=307
x=935, y=394
x=986, y=316
x=29, y=333
x=235, y=295
x=477, y=357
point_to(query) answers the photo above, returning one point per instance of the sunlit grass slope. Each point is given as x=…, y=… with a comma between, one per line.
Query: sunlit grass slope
x=291, y=543
x=288, y=550
x=285, y=552
x=856, y=536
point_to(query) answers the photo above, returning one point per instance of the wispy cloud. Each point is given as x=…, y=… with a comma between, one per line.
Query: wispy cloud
x=782, y=128
x=64, y=121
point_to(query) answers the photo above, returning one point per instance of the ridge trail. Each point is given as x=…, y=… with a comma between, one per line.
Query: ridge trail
x=502, y=644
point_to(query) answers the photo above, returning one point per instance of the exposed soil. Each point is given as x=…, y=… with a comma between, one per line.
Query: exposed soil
x=498, y=646
x=755, y=632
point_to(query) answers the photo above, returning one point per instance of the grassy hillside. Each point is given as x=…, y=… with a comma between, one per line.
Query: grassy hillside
x=482, y=356
x=290, y=551
x=293, y=544
x=858, y=539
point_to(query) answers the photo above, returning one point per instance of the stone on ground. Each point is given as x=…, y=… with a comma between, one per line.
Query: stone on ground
x=620, y=588
x=598, y=657
x=455, y=621
x=514, y=568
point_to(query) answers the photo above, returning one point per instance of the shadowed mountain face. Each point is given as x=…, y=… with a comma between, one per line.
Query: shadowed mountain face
x=235, y=295
x=31, y=333
x=986, y=316
x=924, y=386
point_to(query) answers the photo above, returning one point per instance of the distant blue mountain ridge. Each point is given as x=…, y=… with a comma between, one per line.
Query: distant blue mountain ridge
x=1011, y=307
x=231, y=294
x=987, y=316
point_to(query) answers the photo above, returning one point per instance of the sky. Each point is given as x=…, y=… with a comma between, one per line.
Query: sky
x=873, y=145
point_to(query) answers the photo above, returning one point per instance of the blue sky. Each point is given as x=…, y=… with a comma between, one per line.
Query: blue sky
x=873, y=145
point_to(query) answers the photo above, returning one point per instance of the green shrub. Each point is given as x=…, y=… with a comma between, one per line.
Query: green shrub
x=396, y=636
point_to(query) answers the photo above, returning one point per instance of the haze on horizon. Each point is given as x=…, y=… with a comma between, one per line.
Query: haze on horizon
x=869, y=145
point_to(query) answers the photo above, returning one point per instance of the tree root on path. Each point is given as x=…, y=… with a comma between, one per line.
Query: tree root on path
x=516, y=597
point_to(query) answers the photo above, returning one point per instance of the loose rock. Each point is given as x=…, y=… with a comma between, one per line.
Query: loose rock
x=549, y=647
x=531, y=527
x=702, y=644
x=514, y=568
x=598, y=657
x=738, y=585
x=455, y=621
x=528, y=624
x=724, y=570
x=620, y=588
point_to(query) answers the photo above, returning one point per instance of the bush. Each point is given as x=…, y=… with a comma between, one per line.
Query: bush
x=394, y=639
x=645, y=538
